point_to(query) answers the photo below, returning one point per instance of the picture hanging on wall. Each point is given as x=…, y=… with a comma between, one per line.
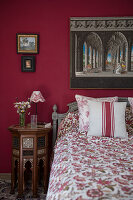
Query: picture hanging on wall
x=27, y=43
x=101, y=52
x=28, y=63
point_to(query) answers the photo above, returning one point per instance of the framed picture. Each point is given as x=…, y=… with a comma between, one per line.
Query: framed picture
x=27, y=43
x=28, y=63
x=101, y=52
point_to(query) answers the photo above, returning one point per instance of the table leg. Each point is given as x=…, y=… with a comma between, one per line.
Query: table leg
x=12, y=177
x=35, y=183
x=20, y=179
x=34, y=175
x=46, y=174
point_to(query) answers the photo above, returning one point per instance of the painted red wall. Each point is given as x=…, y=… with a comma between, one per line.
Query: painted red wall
x=49, y=18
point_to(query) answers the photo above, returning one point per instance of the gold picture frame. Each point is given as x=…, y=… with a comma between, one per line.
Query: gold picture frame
x=27, y=43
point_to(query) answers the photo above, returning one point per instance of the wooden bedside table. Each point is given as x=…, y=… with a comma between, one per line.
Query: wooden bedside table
x=30, y=146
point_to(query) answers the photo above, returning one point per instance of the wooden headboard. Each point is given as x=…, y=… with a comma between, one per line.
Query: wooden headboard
x=57, y=117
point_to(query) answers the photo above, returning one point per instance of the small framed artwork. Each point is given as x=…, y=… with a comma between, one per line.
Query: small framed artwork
x=28, y=63
x=27, y=43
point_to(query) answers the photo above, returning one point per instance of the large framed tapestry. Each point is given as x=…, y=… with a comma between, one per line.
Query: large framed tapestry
x=101, y=52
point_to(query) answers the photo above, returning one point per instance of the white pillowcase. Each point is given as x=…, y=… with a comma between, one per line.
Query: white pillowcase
x=107, y=119
x=83, y=108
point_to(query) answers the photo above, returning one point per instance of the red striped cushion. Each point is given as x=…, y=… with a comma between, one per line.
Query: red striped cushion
x=107, y=119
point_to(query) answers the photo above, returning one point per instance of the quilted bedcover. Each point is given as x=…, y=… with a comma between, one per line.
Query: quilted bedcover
x=90, y=167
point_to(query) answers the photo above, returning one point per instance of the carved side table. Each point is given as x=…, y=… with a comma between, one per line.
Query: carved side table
x=29, y=145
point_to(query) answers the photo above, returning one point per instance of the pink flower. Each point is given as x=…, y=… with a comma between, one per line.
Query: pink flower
x=103, y=182
x=86, y=126
x=80, y=186
x=121, y=181
x=86, y=173
x=77, y=169
x=87, y=113
x=128, y=177
x=85, y=161
x=78, y=178
x=92, y=157
x=63, y=186
x=76, y=165
x=126, y=189
x=75, y=158
x=94, y=193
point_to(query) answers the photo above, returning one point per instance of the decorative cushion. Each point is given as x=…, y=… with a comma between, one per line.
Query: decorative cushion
x=70, y=121
x=130, y=99
x=107, y=119
x=83, y=109
x=129, y=120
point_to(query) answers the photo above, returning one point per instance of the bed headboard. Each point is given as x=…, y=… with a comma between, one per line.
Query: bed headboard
x=57, y=117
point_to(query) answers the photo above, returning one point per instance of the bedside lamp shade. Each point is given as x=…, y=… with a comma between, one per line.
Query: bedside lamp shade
x=36, y=97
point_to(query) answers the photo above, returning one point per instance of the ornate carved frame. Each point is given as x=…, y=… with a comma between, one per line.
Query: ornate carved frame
x=103, y=32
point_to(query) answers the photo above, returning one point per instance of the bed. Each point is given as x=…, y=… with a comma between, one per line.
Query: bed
x=88, y=166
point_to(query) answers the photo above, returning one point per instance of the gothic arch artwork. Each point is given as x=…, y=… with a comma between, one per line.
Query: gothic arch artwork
x=101, y=52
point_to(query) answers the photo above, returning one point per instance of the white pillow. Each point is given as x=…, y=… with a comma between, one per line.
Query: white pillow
x=107, y=119
x=83, y=108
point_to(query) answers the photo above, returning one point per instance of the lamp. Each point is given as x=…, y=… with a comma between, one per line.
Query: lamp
x=36, y=97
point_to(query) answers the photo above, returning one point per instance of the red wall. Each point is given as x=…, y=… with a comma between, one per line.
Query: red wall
x=49, y=18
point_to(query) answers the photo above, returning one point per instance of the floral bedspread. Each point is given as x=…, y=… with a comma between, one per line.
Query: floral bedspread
x=91, y=168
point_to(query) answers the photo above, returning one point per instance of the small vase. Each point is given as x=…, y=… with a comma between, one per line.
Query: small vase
x=22, y=119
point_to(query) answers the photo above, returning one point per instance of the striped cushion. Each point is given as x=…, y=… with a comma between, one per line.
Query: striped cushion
x=107, y=119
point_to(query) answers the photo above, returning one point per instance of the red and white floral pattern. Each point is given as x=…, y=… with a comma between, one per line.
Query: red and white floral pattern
x=37, y=97
x=130, y=99
x=129, y=120
x=91, y=168
x=69, y=122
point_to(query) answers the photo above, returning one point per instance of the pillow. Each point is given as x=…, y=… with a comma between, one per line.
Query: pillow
x=129, y=120
x=70, y=121
x=83, y=108
x=130, y=99
x=107, y=119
